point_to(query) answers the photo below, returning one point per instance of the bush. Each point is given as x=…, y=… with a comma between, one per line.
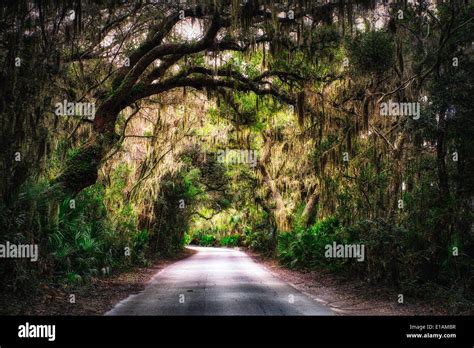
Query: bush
x=305, y=247
x=208, y=240
x=384, y=249
x=371, y=52
x=78, y=237
x=386, y=258
x=260, y=241
x=232, y=240
x=187, y=239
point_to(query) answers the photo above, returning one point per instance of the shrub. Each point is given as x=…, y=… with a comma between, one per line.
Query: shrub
x=232, y=240
x=384, y=248
x=207, y=240
x=305, y=247
x=371, y=52
x=260, y=241
x=186, y=239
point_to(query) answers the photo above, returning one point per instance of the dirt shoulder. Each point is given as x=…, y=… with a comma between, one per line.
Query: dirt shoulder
x=343, y=295
x=348, y=296
x=96, y=298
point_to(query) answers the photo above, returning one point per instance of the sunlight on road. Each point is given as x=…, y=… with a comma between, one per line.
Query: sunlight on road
x=218, y=281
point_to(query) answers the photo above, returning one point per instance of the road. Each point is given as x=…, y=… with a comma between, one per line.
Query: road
x=218, y=281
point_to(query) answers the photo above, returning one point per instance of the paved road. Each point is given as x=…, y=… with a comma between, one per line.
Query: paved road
x=218, y=281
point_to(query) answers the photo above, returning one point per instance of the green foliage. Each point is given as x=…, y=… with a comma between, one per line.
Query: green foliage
x=214, y=237
x=208, y=240
x=371, y=52
x=186, y=239
x=24, y=220
x=87, y=238
x=232, y=240
x=77, y=238
x=304, y=248
x=261, y=241
x=187, y=186
x=384, y=245
x=204, y=238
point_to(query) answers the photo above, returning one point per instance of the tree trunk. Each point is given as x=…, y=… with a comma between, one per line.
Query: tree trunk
x=309, y=212
x=441, y=236
x=81, y=169
x=281, y=217
x=440, y=158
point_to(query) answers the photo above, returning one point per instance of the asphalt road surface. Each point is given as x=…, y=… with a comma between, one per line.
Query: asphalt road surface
x=218, y=281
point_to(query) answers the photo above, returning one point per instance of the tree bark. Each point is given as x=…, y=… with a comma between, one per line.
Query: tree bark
x=281, y=216
x=81, y=169
x=440, y=157
x=309, y=213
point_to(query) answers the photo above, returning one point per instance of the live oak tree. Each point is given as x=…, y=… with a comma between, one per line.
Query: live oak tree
x=148, y=66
